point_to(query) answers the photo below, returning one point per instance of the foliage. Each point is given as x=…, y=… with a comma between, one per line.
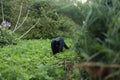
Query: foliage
x=7, y=37
x=51, y=23
x=98, y=37
x=33, y=60
x=6, y=8
x=97, y=42
x=71, y=11
x=11, y=9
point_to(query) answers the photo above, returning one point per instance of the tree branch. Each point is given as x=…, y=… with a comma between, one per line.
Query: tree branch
x=28, y=30
x=18, y=18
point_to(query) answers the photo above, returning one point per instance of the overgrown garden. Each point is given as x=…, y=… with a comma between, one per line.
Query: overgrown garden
x=91, y=30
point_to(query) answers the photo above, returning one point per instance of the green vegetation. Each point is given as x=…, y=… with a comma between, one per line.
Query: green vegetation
x=92, y=30
x=33, y=59
x=100, y=33
x=7, y=37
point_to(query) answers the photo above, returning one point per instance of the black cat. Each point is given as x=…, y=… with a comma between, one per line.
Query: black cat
x=58, y=44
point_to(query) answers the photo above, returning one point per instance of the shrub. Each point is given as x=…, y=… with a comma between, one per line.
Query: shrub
x=6, y=37
x=51, y=23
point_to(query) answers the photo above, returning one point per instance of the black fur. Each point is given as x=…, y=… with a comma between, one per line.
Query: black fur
x=58, y=44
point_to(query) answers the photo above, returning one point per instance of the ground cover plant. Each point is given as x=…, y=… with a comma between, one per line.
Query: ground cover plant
x=33, y=60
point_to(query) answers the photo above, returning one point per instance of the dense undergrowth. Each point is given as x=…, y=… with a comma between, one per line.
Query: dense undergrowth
x=33, y=60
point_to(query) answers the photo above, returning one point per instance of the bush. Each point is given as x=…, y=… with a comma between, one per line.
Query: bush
x=6, y=37
x=51, y=23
